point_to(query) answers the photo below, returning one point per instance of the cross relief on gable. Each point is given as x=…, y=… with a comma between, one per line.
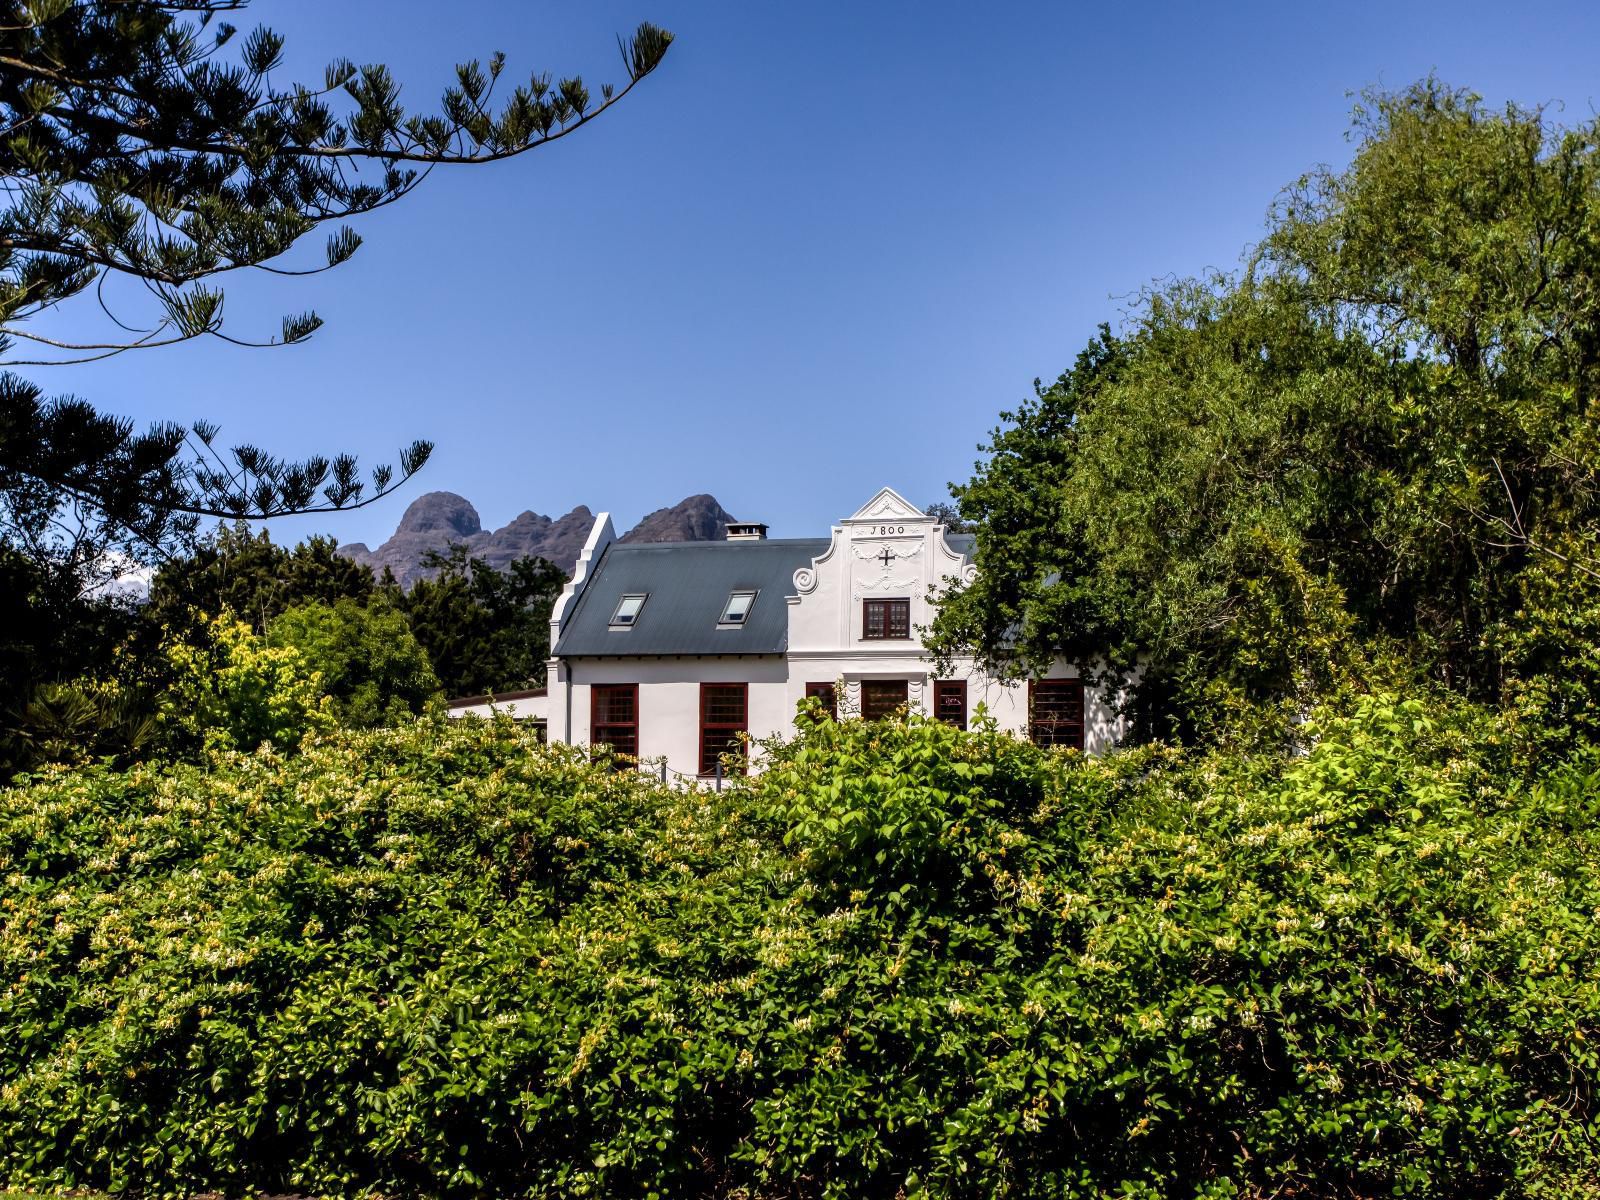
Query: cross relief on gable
x=883, y=575
x=885, y=553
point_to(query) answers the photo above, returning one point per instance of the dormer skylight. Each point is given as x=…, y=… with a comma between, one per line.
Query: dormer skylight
x=628, y=610
x=737, y=608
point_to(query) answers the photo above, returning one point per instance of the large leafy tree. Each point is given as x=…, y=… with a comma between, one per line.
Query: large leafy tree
x=1377, y=441
x=150, y=141
x=485, y=630
x=366, y=656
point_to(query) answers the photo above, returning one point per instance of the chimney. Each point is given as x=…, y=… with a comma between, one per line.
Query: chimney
x=746, y=531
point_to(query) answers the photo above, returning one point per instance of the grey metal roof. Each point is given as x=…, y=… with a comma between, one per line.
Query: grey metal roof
x=962, y=543
x=688, y=584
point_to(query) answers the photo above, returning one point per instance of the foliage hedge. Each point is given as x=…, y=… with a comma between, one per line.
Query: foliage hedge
x=446, y=960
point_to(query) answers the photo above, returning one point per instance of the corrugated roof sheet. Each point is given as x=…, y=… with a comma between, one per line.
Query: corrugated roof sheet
x=688, y=584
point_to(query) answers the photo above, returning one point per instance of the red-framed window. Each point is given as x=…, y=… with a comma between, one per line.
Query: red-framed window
x=950, y=701
x=885, y=619
x=1055, y=712
x=881, y=697
x=824, y=692
x=724, y=715
x=614, y=717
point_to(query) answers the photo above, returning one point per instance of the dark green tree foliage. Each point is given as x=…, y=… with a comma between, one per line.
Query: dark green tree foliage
x=949, y=516
x=150, y=143
x=370, y=662
x=248, y=574
x=1380, y=438
x=444, y=960
x=51, y=634
x=1030, y=600
x=485, y=630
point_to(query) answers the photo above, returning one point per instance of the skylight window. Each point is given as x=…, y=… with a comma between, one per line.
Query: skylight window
x=737, y=608
x=628, y=610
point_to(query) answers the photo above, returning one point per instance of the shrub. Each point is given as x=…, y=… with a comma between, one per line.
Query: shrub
x=445, y=960
x=231, y=690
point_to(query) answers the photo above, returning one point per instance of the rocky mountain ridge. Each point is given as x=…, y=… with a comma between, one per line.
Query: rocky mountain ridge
x=437, y=520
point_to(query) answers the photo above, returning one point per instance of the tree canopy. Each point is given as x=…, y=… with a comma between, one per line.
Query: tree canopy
x=369, y=661
x=485, y=630
x=1377, y=442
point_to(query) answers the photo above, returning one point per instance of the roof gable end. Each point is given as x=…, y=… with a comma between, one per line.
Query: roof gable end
x=889, y=505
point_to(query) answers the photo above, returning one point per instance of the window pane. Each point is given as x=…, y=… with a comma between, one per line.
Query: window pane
x=874, y=626
x=623, y=739
x=738, y=607
x=614, y=705
x=717, y=745
x=614, y=718
x=880, y=697
x=1057, y=718
x=899, y=618
x=950, y=702
x=627, y=610
x=724, y=703
x=722, y=719
x=886, y=619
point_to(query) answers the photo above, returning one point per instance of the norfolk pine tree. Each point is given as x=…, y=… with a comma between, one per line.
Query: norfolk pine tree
x=150, y=141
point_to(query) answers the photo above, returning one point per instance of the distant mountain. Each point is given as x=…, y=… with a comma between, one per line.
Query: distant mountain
x=697, y=519
x=439, y=519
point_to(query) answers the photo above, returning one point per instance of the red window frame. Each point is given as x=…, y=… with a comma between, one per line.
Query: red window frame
x=885, y=619
x=829, y=696
x=880, y=697
x=950, y=701
x=1055, y=712
x=719, y=731
x=608, y=726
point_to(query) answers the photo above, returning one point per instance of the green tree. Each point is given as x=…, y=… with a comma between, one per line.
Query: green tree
x=949, y=516
x=485, y=630
x=148, y=140
x=254, y=577
x=234, y=692
x=1375, y=443
x=367, y=658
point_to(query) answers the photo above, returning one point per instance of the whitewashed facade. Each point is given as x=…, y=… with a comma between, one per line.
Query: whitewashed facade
x=666, y=651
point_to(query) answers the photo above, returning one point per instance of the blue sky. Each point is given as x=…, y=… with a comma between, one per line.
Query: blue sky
x=818, y=251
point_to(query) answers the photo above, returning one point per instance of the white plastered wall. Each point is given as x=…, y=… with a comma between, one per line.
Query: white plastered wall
x=669, y=700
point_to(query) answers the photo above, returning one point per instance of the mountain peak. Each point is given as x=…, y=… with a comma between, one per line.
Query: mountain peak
x=693, y=519
x=437, y=520
x=443, y=512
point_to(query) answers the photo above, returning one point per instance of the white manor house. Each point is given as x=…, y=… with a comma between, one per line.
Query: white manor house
x=670, y=651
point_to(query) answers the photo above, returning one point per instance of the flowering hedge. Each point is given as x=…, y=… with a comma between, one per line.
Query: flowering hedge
x=444, y=959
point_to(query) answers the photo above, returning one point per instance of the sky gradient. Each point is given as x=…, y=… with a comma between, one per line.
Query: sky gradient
x=817, y=252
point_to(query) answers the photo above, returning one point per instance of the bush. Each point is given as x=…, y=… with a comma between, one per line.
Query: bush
x=230, y=690
x=445, y=960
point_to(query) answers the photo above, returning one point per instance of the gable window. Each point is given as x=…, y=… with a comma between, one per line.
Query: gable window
x=885, y=619
x=950, y=701
x=614, y=718
x=880, y=698
x=737, y=608
x=724, y=715
x=1055, y=712
x=628, y=610
x=823, y=693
